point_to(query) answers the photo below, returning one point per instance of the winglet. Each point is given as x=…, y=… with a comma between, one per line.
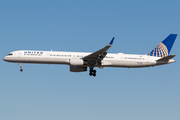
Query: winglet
x=111, y=41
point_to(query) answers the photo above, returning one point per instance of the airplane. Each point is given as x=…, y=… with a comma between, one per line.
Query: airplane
x=80, y=61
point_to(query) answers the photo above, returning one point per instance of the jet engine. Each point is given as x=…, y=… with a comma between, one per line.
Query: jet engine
x=77, y=69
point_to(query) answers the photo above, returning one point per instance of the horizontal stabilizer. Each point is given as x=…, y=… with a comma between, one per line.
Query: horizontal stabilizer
x=166, y=58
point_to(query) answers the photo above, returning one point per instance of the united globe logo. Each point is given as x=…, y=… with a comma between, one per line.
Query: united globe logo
x=160, y=51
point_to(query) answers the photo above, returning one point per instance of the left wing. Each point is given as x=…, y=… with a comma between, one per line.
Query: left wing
x=96, y=57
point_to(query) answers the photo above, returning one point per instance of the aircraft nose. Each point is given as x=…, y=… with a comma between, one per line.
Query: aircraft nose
x=5, y=58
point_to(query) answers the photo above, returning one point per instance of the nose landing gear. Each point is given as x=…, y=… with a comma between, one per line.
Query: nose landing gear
x=20, y=65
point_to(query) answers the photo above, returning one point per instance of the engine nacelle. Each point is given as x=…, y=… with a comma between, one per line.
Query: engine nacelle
x=76, y=61
x=77, y=69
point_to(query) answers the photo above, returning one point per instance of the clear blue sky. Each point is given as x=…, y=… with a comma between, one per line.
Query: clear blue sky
x=52, y=92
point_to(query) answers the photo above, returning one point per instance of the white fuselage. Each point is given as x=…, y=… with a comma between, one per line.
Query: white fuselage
x=111, y=60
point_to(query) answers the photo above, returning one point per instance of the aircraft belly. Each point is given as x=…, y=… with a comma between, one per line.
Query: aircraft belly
x=129, y=64
x=39, y=60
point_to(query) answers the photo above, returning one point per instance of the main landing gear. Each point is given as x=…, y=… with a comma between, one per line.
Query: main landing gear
x=92, y=72
x=20, y=65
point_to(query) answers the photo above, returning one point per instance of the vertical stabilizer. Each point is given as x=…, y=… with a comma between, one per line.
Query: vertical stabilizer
x=164, y=48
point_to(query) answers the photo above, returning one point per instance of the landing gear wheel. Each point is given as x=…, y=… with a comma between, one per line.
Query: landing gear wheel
x=92, y=72
x=21, y=69
x=94, y=75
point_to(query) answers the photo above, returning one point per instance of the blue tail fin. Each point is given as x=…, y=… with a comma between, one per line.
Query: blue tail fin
x=164, y=48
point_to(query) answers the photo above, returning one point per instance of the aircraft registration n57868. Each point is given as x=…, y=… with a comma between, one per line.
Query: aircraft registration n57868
x=80, y=61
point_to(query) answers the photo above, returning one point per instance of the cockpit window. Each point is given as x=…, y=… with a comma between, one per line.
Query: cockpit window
x=10, y=54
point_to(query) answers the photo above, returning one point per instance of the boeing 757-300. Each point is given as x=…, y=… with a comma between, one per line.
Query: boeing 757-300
x=80, y=61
